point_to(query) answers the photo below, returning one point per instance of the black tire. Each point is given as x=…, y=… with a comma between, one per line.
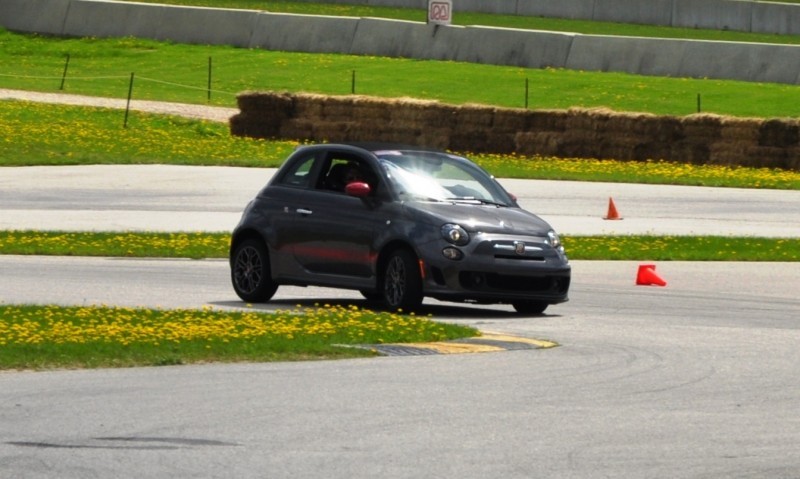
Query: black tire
x=530, y=307
x=371, y=295
x=401, y=285
x=250, y=272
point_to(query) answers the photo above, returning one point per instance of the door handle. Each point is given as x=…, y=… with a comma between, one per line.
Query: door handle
x=304, y=211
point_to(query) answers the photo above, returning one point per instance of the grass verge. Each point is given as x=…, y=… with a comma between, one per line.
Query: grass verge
x=179, y=73
x=215, y=245
x=72, y=135
x=47, y=337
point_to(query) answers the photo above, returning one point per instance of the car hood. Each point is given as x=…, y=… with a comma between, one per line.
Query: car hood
x=484, y=218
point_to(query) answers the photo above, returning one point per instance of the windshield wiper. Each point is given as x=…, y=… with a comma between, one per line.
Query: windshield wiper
x=476, y=201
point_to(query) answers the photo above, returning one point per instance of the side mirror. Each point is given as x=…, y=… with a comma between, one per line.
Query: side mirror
x=358, y=189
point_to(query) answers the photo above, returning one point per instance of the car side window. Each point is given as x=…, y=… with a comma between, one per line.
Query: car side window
x=344, y=170
x=299, y=174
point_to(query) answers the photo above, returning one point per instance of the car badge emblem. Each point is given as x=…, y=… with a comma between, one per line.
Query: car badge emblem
x=519, y=247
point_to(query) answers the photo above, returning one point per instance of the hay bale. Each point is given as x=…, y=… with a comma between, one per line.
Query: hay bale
x=778, y=133
x=733, y=154
x=433, y=137
x=297, y=129
x=250, y=101
x=702, y=127
x=370, y=109
x=502, y=143
x=406, y=112
x=308, y=106
x=473, y=117
x=652, y=150
x=333, y=131
x=547, y=120
x=537, y=143
x=367, y=130
x=443, y=117
x=577, y=132
x=254, y=126
x=590, y=119
x=406, y=136
x=618, y=148
x=469, y=140
x=641, y=124
x=337, y=108
x=695, y=152
x=740, y=129
x=510, y=120
x=579, y=144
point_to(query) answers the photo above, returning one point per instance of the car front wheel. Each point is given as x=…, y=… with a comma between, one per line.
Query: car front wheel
x=402, y=283
x=250, y=272
x=530, y=307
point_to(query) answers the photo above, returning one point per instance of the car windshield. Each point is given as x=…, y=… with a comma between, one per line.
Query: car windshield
x=441, y=177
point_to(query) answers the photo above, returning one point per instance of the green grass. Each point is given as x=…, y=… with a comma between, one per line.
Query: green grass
x=47, y=337
x=38, y=134
x=505, y=21
x=215, y=245
x=41, y=134
x=179, y=73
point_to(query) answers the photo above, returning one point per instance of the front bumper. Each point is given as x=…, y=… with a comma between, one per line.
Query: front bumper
x=498, y=269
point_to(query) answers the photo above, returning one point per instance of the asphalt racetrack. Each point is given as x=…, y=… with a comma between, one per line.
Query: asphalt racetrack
x=697, y=379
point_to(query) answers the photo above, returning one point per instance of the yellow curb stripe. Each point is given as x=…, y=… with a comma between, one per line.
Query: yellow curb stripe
x=487, y=342
x=454, y=348
x=541, y=343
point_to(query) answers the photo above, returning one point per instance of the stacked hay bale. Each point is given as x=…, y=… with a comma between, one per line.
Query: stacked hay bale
x=260, y=115
x=737, y=142
x=419, y=122
x=574, y=133
x=778, y=141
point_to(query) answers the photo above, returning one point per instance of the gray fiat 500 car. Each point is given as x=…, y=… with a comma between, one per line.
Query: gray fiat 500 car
x=397, y=224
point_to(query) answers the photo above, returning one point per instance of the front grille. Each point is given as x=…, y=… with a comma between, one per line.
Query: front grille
x=516, y=257
x=518, y=250
x=476, y=281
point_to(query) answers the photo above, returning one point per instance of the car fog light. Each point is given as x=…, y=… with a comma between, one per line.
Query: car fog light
x=452, y=253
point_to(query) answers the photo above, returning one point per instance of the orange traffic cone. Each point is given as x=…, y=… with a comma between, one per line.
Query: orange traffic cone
x=612, y=211
x=647, y=276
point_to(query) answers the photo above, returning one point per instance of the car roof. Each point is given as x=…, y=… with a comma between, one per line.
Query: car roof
x=374, y=146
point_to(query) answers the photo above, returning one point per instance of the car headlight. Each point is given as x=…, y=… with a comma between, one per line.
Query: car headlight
x=455, y=234
x=554, y=240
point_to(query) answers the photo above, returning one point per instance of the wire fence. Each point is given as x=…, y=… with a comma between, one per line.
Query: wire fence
x=133, y=80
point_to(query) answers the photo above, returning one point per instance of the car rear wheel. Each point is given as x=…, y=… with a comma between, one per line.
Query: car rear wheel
x=530, y=307
x=402, y=283
x=250, y=272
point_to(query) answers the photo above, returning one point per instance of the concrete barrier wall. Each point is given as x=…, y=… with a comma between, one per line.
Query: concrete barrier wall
x=713, y=14
x=684, y=58
x=780, y=18
x=573, y=9
x=649, y=12
x=742, y=15
x=303, y=33
x=160, y=22
x=573, y=133
x=392, y=38
x=34, y=16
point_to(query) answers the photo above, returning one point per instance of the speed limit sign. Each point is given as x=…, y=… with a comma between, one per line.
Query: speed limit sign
x=440, y=12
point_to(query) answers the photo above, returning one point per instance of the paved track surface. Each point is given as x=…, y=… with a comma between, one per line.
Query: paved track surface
x=697, y=379
x=185, y=198
x=694, y=380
